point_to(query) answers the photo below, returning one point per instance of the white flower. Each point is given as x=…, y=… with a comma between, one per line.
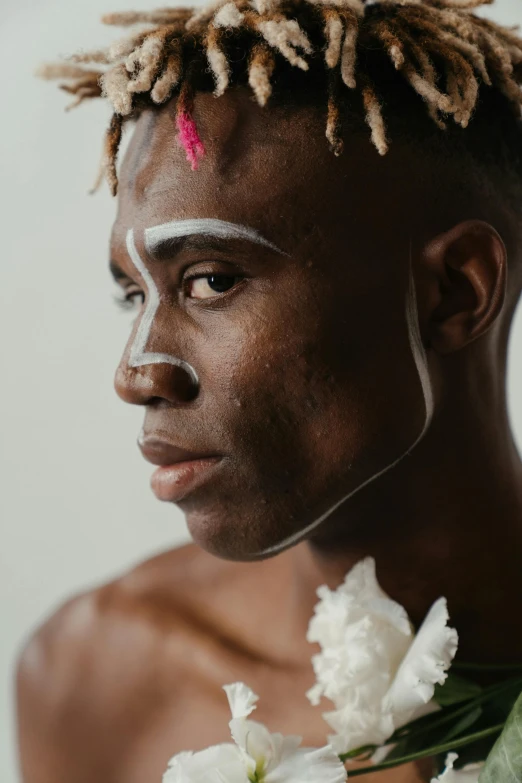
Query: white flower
x=426, y=663
x=378, y=674
x=257, y=755
x=468, y=774
x=242, y=700
x=218, y=764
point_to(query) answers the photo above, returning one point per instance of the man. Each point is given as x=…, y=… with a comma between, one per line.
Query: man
x=320, y=350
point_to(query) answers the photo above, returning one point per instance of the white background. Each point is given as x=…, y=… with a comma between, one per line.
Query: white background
x=75, y=506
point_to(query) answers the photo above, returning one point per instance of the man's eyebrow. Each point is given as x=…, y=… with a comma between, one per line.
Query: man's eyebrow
x=116, y=271
x=158, y=236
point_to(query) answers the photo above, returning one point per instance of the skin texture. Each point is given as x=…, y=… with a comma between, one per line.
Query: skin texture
x=305, y=396
x=307, y=388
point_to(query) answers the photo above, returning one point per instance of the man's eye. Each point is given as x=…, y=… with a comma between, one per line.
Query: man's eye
x=131, y=299
x=207, y=286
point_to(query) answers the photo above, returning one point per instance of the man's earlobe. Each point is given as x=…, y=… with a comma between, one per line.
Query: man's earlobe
x=468, y=272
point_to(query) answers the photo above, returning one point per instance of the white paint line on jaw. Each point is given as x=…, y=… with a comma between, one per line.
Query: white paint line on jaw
x=220, y=229
x=421, y=363
x=138, y=353
x=419, y=354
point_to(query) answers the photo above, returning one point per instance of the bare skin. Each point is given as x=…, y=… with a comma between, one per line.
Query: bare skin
x=308, y=389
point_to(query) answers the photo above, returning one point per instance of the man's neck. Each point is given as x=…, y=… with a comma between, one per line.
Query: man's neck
x=446, y=521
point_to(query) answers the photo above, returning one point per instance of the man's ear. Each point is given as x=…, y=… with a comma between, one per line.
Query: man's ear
x=468, y=271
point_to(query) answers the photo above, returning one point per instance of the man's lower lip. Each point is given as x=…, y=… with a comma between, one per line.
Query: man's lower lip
x=171, y=483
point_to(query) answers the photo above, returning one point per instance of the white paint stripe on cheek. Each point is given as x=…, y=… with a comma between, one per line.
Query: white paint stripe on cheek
x=138, y=354
x=419, y=354
x=421, y=363
x=206, y=226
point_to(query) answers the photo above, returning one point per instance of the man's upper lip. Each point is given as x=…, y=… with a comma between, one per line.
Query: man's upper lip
x=162, y=452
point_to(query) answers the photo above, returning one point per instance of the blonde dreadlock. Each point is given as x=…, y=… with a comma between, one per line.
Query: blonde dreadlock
x=442, y=49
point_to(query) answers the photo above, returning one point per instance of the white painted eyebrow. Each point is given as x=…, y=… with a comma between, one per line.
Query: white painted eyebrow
x=221, y=229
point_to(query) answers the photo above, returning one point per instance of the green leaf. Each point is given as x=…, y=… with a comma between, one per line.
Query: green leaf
x=455, y=690
x=453, y=745
x=463, y=724
x=497, y=701
x=500, y=706
x=504, y=763
x=440, y=734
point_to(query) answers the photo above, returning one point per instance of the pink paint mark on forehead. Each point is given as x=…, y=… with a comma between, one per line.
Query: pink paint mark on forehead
x=188, y=137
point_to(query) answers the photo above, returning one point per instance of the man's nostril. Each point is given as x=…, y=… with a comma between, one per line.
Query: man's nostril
x=185, y=386
x=150, y=383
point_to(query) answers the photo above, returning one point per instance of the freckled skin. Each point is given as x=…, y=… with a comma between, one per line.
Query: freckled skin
x=308, y=388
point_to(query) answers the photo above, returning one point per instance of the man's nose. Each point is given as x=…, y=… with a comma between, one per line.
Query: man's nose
x=143, y=384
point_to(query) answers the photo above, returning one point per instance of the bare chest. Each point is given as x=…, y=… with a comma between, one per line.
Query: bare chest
x=188, y=710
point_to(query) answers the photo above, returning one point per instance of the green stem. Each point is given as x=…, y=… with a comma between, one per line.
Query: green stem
x=434, y=751
x=353, y=754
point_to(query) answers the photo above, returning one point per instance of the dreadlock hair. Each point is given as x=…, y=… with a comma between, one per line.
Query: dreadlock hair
x=439, y=50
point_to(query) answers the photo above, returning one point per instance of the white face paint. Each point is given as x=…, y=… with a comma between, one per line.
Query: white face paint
x=155, y=236
x=138, y=353
x=207, y=227
x=221, y=229
x=421, y=363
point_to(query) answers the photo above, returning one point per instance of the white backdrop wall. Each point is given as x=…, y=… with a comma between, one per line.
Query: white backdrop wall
x=75, y=507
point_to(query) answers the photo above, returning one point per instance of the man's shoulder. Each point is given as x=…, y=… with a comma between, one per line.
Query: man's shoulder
x=160, y=626
x=109, y=633
x=92, y=669
x=134, y=603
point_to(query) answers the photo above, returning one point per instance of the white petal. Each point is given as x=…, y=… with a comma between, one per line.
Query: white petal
x=424, y=665
x=217, y=764
x=175, y=772
x=285, y=749
x=393, y=612
x=381, y=753
x=241, y=698
x=356, y=727
x=361, y=581
x=468, y=774
x=309, y=765
x=314, y=694
x=255, y=741
x=289, y=747
x=375, y=671
x=262, y=751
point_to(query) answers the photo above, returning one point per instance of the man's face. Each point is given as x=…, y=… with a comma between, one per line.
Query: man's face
x=290, y=354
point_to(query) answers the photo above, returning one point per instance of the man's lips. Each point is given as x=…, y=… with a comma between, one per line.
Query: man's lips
x=180, y=470
x=161, y=452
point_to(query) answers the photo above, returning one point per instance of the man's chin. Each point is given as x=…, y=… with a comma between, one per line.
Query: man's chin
x=231, y=537
x=237, y=526
x=254, y=530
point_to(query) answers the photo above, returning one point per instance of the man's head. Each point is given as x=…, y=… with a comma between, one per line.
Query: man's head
x=301, y=310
